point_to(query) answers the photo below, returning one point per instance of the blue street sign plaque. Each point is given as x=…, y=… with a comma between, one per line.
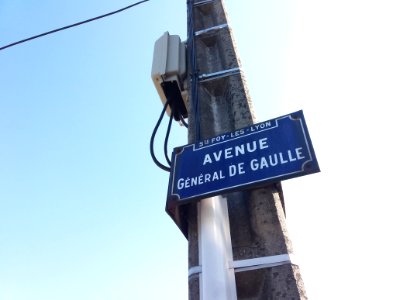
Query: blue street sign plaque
x=262, y=153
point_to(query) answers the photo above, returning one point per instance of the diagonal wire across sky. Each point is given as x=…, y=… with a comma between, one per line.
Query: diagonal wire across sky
x=72, y=25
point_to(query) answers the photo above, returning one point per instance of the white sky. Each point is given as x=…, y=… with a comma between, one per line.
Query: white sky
x=338, y=61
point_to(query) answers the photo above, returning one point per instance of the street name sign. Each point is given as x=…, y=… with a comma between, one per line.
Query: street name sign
x=262, y=153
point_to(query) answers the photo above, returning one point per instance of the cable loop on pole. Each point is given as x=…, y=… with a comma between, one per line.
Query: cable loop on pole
x=153, y=156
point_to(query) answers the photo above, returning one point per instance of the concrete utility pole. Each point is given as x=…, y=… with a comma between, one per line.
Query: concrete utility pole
x=238, y=243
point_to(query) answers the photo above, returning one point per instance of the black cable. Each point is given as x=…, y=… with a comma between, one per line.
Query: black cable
x=72, y=25
x=182, y=119
x=194, y=71
x=156, y=161
x=166, y=140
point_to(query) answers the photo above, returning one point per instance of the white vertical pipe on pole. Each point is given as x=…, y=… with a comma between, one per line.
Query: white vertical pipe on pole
x=217, y=280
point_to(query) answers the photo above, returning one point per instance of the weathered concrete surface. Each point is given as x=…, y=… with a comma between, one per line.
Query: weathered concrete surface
x=257, y=220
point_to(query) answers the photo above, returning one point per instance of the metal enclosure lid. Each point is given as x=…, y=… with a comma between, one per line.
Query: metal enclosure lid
x=169, y=62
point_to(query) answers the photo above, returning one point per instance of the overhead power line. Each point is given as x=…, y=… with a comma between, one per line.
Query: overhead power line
x=72, y=25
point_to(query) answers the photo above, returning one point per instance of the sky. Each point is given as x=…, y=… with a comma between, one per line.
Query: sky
x=81, y=202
